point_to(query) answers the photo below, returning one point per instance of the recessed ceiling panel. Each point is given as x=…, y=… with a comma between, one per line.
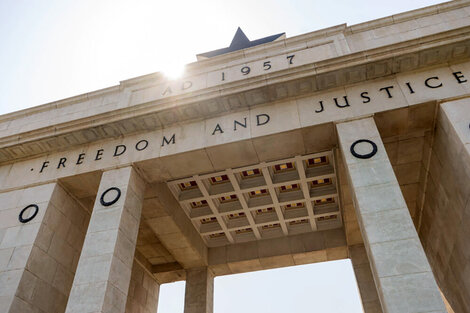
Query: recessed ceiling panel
x=266, y=200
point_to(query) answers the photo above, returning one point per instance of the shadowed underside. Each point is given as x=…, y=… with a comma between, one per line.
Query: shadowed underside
x=348, y=142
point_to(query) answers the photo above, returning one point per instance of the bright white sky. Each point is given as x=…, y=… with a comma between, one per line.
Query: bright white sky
x=328, y=287
x=54, y=49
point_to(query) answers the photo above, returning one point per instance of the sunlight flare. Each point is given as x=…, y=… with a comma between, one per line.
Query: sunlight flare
x=173, y=70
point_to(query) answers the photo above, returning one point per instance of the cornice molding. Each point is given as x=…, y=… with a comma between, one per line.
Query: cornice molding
x=209, y=102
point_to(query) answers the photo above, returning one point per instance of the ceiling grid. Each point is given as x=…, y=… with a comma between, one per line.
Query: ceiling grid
x=270, y=199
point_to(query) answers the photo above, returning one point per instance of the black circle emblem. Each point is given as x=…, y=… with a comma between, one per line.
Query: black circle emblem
x=108, y=203
x=364, y=156
x=26, y=220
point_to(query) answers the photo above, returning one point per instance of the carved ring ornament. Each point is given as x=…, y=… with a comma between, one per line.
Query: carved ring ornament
x=27, y=219
x=116, y=198
x=367, y=155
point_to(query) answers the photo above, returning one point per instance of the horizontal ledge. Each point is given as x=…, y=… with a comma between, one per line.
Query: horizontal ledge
x=167, y=267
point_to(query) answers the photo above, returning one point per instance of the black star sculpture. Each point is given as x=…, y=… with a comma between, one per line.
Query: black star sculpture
x=239, y=42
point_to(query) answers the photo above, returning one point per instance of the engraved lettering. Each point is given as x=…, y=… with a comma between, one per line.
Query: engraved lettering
x=345, y=100
x=140, y=147
x=61, y=162
x=426, y=82
x=81, y=156
x=321, y=107
x=245, y=70
x=459, y=76
x=267, y=65
x=217, y=129
x=99, y=154
x=166, y=141
x=187, y=84
x=44, y=165
x=387, y=89
x=365, y=96
x=260, y=122
x=119, y=150
x=290, y=58
x=409, y=87
x=167, y=91
x=235, y=123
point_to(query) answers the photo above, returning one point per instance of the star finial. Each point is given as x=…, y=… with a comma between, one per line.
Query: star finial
x=240, y=41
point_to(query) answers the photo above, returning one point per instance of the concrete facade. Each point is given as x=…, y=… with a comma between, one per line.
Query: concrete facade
x=39, y=259
x=401, y=272
x=251, y=161
x=105, y=267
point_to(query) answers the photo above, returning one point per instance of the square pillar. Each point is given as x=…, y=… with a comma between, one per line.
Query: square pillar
x=103, y=275
x=199, y=293
x=143, y=291
x=364, y=278
x=39, y=248
x=402, y=275
x=444, y=226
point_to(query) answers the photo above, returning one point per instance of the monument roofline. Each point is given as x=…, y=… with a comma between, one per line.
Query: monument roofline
x=195, y=67
x=341, y=143
x=210, y=86
x=240, y=41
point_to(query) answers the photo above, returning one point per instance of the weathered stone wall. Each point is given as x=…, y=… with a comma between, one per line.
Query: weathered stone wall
x=38, y=259
x=143, y=291
x=364, y=278
x=199, y=291
x=445, y=223
x=401, y=272
x=104, y=270
x=394, y=69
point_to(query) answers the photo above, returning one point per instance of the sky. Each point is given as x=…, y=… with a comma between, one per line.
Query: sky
x=321, y=287
x=54, y=49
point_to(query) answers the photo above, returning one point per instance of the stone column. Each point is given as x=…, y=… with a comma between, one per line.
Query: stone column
x=444, y=226
x=39, y=254
x=103, y=275
x=143, y=291
x=199, y=293
x=402, y=275
x=364, y=278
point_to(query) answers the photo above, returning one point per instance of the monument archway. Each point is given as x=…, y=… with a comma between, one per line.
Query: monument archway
x=348, y=142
